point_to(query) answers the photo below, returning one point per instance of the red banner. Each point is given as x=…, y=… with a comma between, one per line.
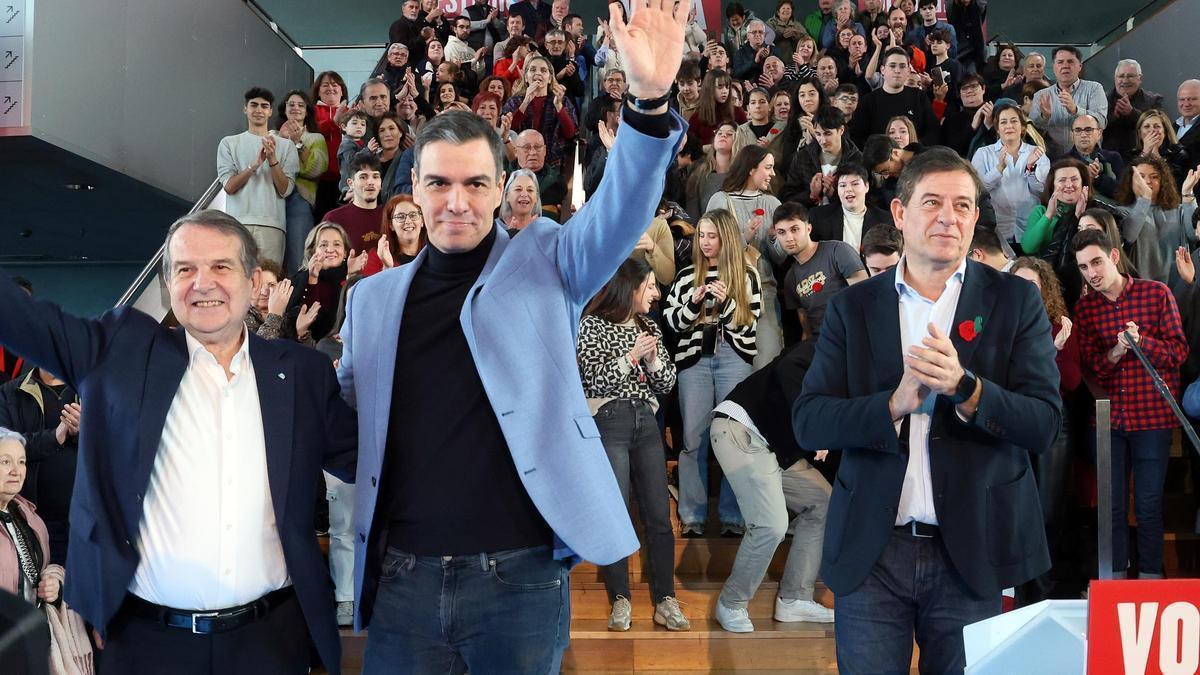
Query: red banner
x=1149, y=627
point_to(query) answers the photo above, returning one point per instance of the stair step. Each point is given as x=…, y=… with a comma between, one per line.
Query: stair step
x=589, y=600
x=710, y=556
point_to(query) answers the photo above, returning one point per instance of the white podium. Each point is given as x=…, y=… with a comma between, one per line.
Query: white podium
x=1049, y=637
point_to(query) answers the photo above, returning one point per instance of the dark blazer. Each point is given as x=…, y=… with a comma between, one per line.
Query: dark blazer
x=761, y=394
x=128, y=367
x=806, y=163
x=828, y=223
x=983, y=486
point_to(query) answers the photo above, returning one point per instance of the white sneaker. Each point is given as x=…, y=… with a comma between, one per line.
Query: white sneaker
x=734, y=620
x=802, y=610
x=345, y=613
x=621, y=616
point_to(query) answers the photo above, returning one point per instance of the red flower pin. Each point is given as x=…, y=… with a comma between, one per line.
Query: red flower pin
x=967, y=330
x=816, y=288
x=759, y=212
x=773, y=131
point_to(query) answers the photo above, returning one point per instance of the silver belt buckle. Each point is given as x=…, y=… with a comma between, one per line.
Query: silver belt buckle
x=201, y=615
x=913, y=526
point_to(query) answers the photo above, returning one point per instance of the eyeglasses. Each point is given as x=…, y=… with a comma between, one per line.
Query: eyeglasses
x=530, y=147
x=412, y=217
x=1084, y=130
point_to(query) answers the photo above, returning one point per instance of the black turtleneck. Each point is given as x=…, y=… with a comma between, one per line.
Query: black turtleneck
x=449, y=483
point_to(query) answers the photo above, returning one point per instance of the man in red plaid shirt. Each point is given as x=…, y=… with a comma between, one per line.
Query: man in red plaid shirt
x=1142, y=422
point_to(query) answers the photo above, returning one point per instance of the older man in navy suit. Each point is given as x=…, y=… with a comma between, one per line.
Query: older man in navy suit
x=481, y=474
x=191, y=544
x=937, y=380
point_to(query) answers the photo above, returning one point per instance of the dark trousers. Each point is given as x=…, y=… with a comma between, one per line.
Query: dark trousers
x=277, y=643
x=913, y=589
x=502, y=612
x=1143, y=454
x=631, y=438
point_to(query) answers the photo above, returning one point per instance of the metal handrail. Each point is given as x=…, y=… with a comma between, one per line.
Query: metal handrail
x=151, y=267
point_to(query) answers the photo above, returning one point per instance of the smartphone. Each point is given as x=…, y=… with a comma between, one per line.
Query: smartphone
x=939, y=78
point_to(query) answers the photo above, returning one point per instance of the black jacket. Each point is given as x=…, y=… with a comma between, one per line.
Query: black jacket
x=51, y=467
x=806, y=163
x=828, y=222
x=769, y=391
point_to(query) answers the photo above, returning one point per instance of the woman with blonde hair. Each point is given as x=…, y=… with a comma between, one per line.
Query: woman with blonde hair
x=539, y=102
x=1156, y=138
x=328, y=261
x=713, y=307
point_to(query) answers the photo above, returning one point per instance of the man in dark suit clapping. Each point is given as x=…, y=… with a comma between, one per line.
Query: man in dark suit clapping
x=936, y=380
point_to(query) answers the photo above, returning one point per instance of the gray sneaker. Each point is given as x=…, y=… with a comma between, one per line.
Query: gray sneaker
x=691, y=530
x=622, y=614
x=667, y=613
x=345, y=613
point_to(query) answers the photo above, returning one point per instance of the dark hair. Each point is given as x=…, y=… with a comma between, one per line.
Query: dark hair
x=483, y=85
x=1067, y=48
x=24, y=283
x=1090, y=237
x=940, y=35
x=688, y=70
x=514, y=43
x=829, y=117
x=734, y=9
x=368, y=161
x=221, y=222
x=971, y=78
x=370, y=82
x=877, y=150
x=896, y=51
x=271, y=267
x=346, y=115
x=743, y=163
x=1168, y=192
x=389, y=115
x=692, y=147
x=708, y=110
x=1031, y=88
x=259, y=92
x=567, y=19
x=882, y=239
x=316, y=88
x=310, y=114
x=926, y=3
x=614, y=302
x=987, y=241
x=1064, y=163
x=847, y=88
x=789, y=211
x=935, y=160
x=852, y=169
x=458, y=127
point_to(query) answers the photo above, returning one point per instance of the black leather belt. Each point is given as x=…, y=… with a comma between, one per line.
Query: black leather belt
x=205, y=623
x=918, y=530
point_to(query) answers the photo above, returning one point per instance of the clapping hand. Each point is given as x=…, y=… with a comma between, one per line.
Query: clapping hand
x=374, y=146
x=1034, y=156
x=717, y=288
x=699, y=293
x=1122, y=107
x=1069, y=103
x=1189, y=182
x=1094, y=168
x=607, y=137
x=355, y=263
x=645, y=348
x=1045, y=107
x=384, y=250
x=935, y=364
x=281, y=295
x=1064, y=333
x=1185, y=266
x=306, y=317
x=68, y=423
x=1081, y=205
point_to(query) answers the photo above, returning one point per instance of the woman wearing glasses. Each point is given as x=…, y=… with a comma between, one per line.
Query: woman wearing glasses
x=401, y=235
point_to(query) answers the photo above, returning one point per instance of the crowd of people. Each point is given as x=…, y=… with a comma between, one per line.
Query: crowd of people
x=792, y=204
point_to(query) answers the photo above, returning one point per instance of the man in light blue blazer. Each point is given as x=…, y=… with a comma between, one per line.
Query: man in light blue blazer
x=481, y=475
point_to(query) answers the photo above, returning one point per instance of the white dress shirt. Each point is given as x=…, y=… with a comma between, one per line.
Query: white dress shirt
x=916, y=313
x=208, y=538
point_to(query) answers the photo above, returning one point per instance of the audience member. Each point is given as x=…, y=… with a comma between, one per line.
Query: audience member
x=843, y=18
x=258, y=173
x=354, y=125
x=1126, y=103
x=810, y=178
x=1057, y=106
x=787, y=29
x=515, y=25
x=47, y=412
x=816, y=20
x=328, y=263
x=771, y=475
x=268, y=316
x=759, y=128
x=535, y=13
x=1156, y=138
x=710, y=172
x=687, y=81
x=997, y=379
x=360, y=218
x=845, y=98
x=713, y=306
x=894, y=98
x=967, y=126
x=329, y=93
x=1053, y=223
x=625, y=365
x=1003, y=71
x=1118, y=311
x=850, y=217
x=1102, y=220
x=411, y=30
x=540, y=103
x=1104, y=165
x=986, y=249
x=1013, y=173
x=1187, y=102
x=966, y=19
x=297, y=123
x=716, y=106
x=521, y=203
x=818, y=270
x=902, y=130
x=1156, y=216
x=748, y=58
x=614, y=85
x=929, y=25
x=882, y=247
x=401, y=235
x=1033, y=69
x=25, y=567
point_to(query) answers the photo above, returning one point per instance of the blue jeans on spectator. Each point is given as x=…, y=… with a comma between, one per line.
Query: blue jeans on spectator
x=299, y=221
x=701, y=388
x=502, y=612
x=912, y=589
x=634, y=447
x=1144, y=453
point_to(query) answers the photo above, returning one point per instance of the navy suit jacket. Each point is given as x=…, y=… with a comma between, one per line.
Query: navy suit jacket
x=983, y=487
x=126, y=368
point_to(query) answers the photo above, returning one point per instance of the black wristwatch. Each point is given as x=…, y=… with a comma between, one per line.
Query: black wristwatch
x=966, y=388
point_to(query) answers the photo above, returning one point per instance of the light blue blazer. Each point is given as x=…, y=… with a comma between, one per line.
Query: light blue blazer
x=531, y=294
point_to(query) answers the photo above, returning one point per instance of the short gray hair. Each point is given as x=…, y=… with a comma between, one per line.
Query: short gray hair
x=372, y=81
x=221, y=222
x=10, y=435
x=1137, y=67
x=505, y=209
x=458, y=127
x=757, y=21
x=935, y=160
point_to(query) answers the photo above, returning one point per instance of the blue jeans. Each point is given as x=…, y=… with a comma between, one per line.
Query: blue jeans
x=912, y=589
x=701, y=388
x=503, y=612
x=299, y=216
x=1144, y=453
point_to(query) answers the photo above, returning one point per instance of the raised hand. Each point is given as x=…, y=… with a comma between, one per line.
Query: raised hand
x=1081, y=205
x=607, y=137
x=305, y=319
x=935, y=364
x=651, y=45
x=1034, y=156
x=280, y=296
x=1183, y=263
x=1189, y=182
x=384, y=250
x=1064, y=333
x=1044, y=106
x=355, y=263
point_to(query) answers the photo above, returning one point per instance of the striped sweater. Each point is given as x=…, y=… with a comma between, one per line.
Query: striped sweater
x=682, y=313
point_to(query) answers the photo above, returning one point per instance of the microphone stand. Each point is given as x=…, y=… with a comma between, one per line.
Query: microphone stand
x=1163, y=390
